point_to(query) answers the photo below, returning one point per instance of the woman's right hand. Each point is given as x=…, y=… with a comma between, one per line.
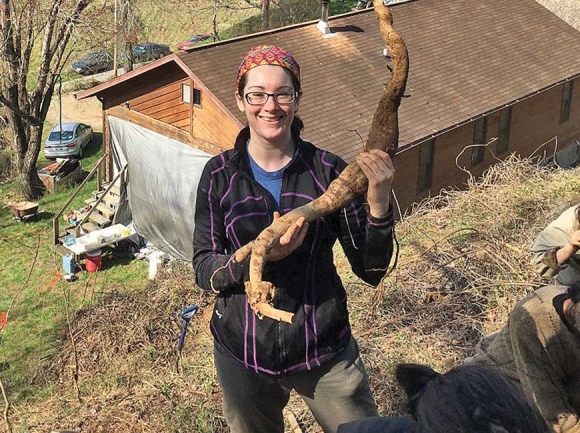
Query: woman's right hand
x=290, y=240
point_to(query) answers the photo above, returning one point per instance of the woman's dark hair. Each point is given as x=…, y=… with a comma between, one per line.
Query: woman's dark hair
x=297, y=123
x=467, y=399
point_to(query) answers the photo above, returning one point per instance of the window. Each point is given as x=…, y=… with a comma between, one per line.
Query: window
x=426, y=162
x=503, y=139
x=197, y=96
x=566, y=101
x=479, y=136
x=186, y=93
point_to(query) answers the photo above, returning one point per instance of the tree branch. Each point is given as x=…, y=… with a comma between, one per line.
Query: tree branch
x=28, y=118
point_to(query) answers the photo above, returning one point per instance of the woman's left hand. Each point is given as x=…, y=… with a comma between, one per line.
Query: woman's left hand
x=379, y=170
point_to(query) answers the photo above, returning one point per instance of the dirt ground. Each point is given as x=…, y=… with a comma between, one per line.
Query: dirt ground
x=87, y=111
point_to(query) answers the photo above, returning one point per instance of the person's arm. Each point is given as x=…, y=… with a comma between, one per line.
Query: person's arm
x=367, y=237
x=211, y=261
x=380, y=172
x=555, y=245
x=563, y=254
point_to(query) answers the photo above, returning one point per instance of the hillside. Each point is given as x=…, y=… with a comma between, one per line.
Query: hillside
x=170, y=22
x=463, y=264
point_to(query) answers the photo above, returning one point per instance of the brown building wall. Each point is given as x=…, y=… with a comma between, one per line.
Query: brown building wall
x=165, y=104
x=212, y=124
x=536, y=127
x=534, y=124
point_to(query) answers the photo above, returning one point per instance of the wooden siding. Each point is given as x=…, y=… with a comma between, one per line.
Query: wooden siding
x=165, y=129
x=534, y=127
x=154, y=79
x=165, y=104
x=212, y=124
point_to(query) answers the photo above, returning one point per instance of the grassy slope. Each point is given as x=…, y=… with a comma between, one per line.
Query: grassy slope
x=405, y=332
x=28, y=267
x=170, y=22
x=463, y=264
x=38, y=299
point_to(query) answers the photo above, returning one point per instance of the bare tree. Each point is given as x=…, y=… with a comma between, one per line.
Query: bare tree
x=264, y=6
x=265, y=14
x=28, y=93
x=128, y=34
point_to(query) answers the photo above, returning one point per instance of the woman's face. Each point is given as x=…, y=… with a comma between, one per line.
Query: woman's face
x=271, y=121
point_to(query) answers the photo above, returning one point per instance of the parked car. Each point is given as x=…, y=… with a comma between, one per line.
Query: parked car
x=147, y=51
x=97, y=61
x=191, y=42
x=70, y=140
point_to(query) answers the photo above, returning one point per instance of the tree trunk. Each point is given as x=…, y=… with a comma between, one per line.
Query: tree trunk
x=216, y=36
x=265, y=14
x=126, y=18
x=129, y=60
x=30, y=184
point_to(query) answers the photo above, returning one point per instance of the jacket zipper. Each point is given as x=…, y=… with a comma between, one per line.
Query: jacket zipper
x=269, y=206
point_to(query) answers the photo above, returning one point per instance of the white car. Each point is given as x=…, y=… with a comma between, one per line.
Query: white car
x=68, y=139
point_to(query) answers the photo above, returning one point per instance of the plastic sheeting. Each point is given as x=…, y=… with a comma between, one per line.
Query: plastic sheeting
x=163, y=175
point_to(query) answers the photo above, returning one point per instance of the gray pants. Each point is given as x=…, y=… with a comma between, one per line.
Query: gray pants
x=336, y=392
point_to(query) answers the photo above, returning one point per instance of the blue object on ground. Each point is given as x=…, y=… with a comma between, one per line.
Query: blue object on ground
x=68, y=264
x=186, y=315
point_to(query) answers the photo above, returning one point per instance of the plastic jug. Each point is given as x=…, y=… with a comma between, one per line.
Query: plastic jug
x=68, y=264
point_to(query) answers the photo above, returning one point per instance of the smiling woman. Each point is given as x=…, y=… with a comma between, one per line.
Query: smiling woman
x=270, y=172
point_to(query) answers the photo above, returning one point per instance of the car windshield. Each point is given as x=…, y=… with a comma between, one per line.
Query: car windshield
x=139, y=49
x=55, y=136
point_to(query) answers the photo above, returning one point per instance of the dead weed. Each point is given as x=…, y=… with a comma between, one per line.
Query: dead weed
x=463, y=264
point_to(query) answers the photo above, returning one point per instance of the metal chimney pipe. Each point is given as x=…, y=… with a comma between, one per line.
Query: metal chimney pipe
x=324, y=4
x=323, y=23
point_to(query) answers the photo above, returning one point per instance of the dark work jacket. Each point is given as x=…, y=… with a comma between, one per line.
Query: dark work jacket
x=232, y=209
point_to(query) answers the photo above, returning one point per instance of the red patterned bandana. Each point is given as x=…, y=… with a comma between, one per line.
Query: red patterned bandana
x=268, y=55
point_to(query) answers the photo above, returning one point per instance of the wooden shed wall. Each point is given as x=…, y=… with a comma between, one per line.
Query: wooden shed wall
x=210, y=128
x=165, y=104
x=211, y=124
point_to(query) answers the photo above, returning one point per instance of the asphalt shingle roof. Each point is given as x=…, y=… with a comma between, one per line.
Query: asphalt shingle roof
x=467, y=57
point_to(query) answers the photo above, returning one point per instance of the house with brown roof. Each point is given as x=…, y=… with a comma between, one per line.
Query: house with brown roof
x=494, y=73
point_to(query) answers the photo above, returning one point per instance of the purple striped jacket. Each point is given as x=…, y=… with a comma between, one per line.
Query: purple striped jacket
x=232, y=209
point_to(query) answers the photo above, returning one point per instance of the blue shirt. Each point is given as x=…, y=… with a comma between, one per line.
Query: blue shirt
x=271, y=180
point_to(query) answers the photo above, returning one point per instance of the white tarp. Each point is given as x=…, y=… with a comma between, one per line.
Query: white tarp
x=162, y=180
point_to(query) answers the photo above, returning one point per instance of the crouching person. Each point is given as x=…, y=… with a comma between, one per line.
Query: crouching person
x=539, y=348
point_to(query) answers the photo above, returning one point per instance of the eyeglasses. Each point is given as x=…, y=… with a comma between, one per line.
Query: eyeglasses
x=260, y=98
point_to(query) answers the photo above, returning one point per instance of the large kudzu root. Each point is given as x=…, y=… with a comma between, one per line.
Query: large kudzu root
x=351, y=183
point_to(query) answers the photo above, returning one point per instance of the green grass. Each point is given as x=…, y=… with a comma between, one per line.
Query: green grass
x=29, y=267
x=29, y=270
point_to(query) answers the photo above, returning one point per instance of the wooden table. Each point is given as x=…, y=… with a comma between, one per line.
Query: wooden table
x=91, y=241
